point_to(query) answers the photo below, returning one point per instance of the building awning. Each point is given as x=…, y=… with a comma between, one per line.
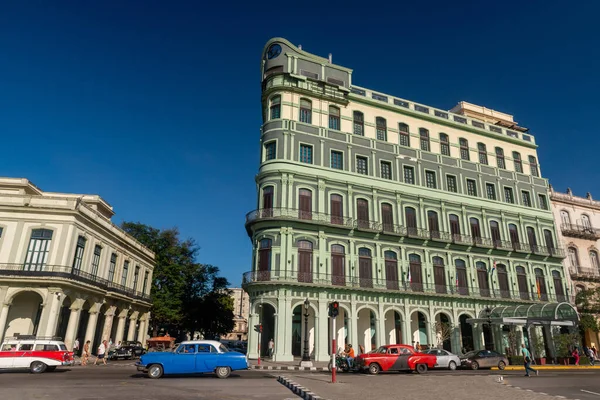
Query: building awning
x=553, y=313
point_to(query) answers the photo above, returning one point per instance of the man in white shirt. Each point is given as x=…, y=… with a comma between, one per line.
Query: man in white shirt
x=101, y=353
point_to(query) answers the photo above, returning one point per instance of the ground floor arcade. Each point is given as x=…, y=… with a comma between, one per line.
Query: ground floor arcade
x=71, y=314
x=367, y=320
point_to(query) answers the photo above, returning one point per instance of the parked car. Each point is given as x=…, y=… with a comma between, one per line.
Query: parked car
x=395, y=357
x=445, y=359
x=193, y=357
x=126, y=350
x=38, y=354
x=483, y=359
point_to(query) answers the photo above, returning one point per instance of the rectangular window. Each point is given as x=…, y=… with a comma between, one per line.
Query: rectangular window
x=37, y=252
x=306, y=153
x=386, y=170
x=337, y=160
x=409, y=175
x=464, y=149
x=276, y=107
x=430, y=179
x=334, y=118
x=533, y=166
x=136, y=275
x=526, y=198
x=490, y=189
x=500, y=158
x=381, y=127
x=362, y=165
x=483, y=158
x=404, y=135
x=125, y=271
x=306, y=111
x=359, y=124
x=508, y=195
x=451, y=183
x=145, y=282
x=111, y=267
x=270, y=151
x=96, y=259
x=471, y=187
x=543, y=202
x=444, y=144
x=518, y=164
x=79, y=253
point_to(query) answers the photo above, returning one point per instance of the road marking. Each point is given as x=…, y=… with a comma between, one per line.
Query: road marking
x=587, y=391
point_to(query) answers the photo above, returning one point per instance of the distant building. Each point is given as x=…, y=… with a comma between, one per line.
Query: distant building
x=241, y=307
x=67, y=270
x=578, y=219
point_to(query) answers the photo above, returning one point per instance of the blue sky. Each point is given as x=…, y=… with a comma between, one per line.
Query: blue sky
x=156, y=105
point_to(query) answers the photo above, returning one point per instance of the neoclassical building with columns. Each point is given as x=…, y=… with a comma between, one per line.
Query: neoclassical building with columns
x=410, y=216
x=66, y=270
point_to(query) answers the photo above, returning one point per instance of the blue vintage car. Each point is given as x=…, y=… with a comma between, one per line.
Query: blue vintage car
x=193, y=357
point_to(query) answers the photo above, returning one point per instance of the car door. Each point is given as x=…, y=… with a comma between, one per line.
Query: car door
x=390, y=359
x=7, y=356
x=207, y=358
x=443, y=358
x=493, y=358
x=184, y=361
x=484, y=360
x=23, y=355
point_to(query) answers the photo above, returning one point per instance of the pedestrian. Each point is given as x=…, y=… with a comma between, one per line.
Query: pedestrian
x=417, y=346
x=101, y=353
x=527, y=360
x=591, y=356
x=271, y=348
x=575, y=355
x=86, y=353
x=595, y=351
x=76, y=347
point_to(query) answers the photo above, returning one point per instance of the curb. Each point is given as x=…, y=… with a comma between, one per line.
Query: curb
x=301, y=391
x=289, y=368
x=551, y=368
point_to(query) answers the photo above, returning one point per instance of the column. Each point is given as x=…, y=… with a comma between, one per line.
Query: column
x=252, y=337
x=3, y=317
x=120, y=329
x=353, y=322
x=53, y=303
x=108, y=321
x=90, y=331
x=547, y=336
x=477, y=333
x=283, y=330
x=132, y=322
x=142, y=333
x=322, y=329
x=72, y=327
x=146, y=326
x=380, y=323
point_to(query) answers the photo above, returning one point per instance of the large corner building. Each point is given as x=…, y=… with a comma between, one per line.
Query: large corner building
x=410, y=216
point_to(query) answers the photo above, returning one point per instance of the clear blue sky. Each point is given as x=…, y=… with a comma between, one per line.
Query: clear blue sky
x=156, y=105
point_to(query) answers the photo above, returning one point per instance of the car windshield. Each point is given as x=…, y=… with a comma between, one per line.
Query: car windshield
x=223, y=349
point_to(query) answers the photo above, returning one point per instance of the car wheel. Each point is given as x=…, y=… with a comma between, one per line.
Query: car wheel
x=474, y=365
x=501, y=365
x=374, y=368
x=155, y=371
x=223, y=372
x=329, y=366
x=421, y=368
x=452, y=366
x=37, y=367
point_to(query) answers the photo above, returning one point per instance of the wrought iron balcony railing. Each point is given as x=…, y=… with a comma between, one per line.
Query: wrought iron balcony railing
x=295, y=214
x=580, y=231
x=429, y=288
x=65, y=272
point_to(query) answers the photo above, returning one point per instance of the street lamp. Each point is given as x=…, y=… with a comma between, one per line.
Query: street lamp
x=305, y=355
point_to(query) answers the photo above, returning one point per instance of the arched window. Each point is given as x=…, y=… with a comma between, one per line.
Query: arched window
x=410, y=218
x=503, y=281
x=462, y=285
x=495, y=232
x=391, y=270
x=267, y=202
x=532, y=239
x=514, y=235
x=415, y=274
x=37, y=252
x=558, y=287
x=362, y=213
x=275, y=108
x=594, y=260
x=565, y=219
x=454, y=226
x=264, y=260
x=533, y=165
x=517, y=160
x=573, y=259
x=549, y=241
x=359, y=123
x=464, y=149
x=475, y=230
x=338, y=265
x=305, y=204
x=500, y=158
x=585, y=221
x=404, y=135
x=540, y=285
x=439, y=275
x=336, y=209
x=365, y=268
x=306, y=111
x=381, y=127
x=334, y=118
x=483, y=279
x=79, y=249
x=305, y=261
x=424, y=135
x=483, y=158
x=387, y=217
x=434, y=225
x=444, y=144
x=522, y=281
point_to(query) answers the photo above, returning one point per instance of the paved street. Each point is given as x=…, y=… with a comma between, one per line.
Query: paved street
x=120, y=381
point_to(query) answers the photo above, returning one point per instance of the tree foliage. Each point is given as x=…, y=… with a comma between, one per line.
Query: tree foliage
x=186, y=296
x=588, y=301
x=443, y=332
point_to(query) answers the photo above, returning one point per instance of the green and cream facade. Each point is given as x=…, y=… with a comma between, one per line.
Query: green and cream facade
x=395, y=209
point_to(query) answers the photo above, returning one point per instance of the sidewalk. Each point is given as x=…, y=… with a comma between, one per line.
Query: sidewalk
x=551, y=367
x=268, y=364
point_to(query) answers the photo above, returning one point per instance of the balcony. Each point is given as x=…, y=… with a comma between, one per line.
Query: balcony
x=61, y=272
x=291, y=214
x=580, y=231
x=384, y=285
x=584, y=274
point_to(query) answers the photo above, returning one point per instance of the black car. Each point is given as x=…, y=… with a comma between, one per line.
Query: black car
x=127, y=350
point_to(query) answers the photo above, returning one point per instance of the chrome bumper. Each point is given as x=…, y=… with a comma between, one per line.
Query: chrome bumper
x=141, y=368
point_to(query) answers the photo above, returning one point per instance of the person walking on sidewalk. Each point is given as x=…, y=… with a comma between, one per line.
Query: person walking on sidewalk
x=575, y=355
x=85, y=356
x=76, y=347
x=101, y=353
x=527, y=360
x=271, y=348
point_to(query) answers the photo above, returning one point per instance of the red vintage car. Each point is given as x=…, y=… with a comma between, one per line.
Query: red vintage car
x=395, y=357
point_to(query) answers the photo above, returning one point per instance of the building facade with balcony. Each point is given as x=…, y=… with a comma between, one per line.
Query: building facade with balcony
x=66, y=270
x=409, y=216
x=578, y=222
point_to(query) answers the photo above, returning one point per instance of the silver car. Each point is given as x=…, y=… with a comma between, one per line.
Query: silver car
x=445, y=359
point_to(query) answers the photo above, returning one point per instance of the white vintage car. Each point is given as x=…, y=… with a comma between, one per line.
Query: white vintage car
x=34, y=353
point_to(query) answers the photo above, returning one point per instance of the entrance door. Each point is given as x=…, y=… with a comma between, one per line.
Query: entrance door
x=338, y=274
x=391, y=270
x=503, y=281
x=483, y=280
x=522, y=281
x=439, y=275
x=305, y=256
x=416, y=278
x=365, y=270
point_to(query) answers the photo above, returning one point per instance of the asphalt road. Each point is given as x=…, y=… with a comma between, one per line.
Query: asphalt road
x=122, y=381
x=570, y=384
